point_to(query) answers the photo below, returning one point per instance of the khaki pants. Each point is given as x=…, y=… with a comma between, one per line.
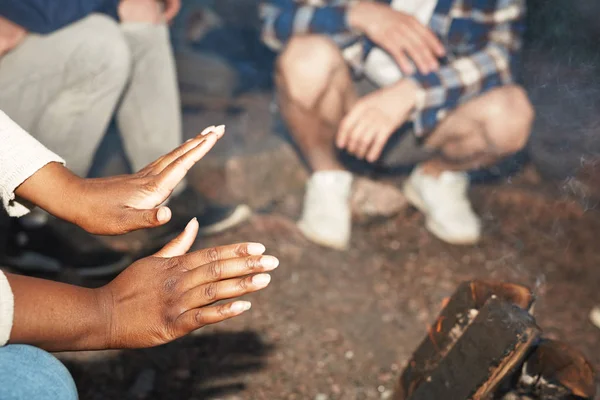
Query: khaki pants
x=65, y=87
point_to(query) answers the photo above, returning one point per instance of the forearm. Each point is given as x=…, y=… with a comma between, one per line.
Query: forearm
x=56, y=316
x=55, y=189
x=282, y=22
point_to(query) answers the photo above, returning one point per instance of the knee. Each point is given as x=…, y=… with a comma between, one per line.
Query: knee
x=307, y=63
x=509, y=116
x=105, y=56
x=33, y=374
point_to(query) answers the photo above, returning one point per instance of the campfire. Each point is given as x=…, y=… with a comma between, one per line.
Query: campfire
x=485, y=344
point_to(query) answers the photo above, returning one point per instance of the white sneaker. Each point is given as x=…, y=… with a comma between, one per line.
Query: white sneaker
x=326, y=218
x=444, y=202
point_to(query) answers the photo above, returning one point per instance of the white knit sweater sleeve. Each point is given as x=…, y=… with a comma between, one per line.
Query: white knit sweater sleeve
x=20, y=157
x=7, y=308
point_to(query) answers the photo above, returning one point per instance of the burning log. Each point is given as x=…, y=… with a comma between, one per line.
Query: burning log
x=454, y=319
x=554, y=371
x=485, y=344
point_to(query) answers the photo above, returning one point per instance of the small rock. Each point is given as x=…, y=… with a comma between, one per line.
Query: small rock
x=321, y=396
x=349, y=355
x=182, y=374
x=595, y=316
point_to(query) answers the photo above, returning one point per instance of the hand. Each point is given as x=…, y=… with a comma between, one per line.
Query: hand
x=140, y=11
x=399, y=34
x=120, y=204
x=164, y=297
x=11, y=35
x=365, y=130
x=154, y=301
x=171, y=9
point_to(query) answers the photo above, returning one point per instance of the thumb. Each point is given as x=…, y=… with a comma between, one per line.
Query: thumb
x=182, y=243
x=141, y=219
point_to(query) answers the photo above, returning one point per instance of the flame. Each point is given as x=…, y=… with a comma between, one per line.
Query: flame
x=438, y=327
x=432, y=338
x=473, y=291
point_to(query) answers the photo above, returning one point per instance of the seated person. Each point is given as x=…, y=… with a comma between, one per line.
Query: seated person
x=68, y=67
x=442, y=69
x=137, y=309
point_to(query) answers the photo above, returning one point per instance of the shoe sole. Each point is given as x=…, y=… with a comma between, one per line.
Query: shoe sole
x=37, y=263
x=415, y=200
x=315, y=238
x=241, y=214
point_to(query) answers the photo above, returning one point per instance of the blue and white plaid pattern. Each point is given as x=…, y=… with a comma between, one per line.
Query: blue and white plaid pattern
x=482, y=40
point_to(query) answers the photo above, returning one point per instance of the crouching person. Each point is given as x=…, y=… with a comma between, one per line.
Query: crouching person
x=444, y=98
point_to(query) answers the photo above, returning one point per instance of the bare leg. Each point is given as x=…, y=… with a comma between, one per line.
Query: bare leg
x=476, y=134
x=315, y=91
x=482, y=131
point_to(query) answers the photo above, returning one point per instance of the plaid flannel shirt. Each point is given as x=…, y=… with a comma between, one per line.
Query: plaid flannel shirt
x=482, y=40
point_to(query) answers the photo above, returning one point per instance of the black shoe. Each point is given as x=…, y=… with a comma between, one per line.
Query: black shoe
x=56, y=245
x=212, y=218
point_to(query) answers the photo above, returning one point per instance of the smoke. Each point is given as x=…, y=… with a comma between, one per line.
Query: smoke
x=562, y=74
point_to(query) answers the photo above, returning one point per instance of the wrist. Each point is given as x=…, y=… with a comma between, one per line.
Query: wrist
x=104, y=301
x=53, y=188
x=410, y=91
x=355, y=15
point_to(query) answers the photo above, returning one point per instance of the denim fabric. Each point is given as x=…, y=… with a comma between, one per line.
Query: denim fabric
x=28, y=373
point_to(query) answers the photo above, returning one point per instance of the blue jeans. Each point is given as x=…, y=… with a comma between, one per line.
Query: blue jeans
x=27, y=372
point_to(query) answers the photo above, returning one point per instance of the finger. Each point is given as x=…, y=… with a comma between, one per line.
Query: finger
x=160, y=164
x=182, y=243
x=227, y=269
x=370, y=136
x=432, y=40
x=199, y=317
x=403, y=62
x=189, y=144
x=347, y=126
x=178, y=168
x=206, y=256
x=215, y=291
x=431, y=43
x=414, y=49
x=219, y=131
x=142, y=219
x=357, y=137
x=378, y=145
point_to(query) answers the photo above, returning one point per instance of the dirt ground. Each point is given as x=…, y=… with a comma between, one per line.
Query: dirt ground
x=340, y=325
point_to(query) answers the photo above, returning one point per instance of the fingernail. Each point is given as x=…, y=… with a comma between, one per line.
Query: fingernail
x=269, y=262
x=220, y=130
x=261, y=280
x=207, y=130
x=240, y=306
x=163, y=214
x=256, y=249
x=189, y=224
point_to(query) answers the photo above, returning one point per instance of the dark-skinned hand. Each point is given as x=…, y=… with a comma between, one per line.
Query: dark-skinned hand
x=119, y=204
